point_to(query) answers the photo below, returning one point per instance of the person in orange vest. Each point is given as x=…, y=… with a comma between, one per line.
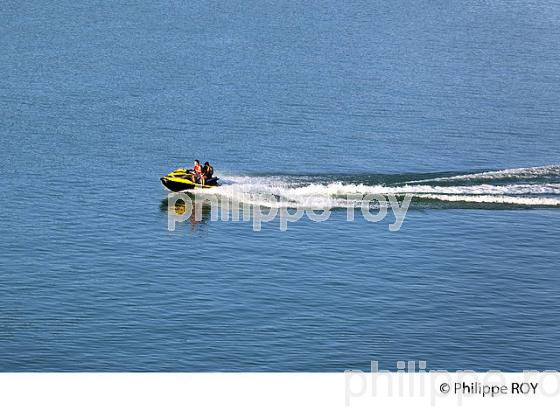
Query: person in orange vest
x=197, y=171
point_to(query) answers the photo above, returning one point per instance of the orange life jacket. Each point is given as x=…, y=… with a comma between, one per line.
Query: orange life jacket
x=197, y=169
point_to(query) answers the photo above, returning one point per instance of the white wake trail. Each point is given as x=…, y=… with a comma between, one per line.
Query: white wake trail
x=518, y=173
x=491, y=199
x=291, y=192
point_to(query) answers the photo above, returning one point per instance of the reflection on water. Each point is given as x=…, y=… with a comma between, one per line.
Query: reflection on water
x=178, y=208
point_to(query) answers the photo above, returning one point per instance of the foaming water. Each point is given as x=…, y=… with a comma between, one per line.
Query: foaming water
x=522, y=187
x=530, y=173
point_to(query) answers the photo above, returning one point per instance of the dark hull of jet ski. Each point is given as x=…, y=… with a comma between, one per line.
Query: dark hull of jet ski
x=176, y=186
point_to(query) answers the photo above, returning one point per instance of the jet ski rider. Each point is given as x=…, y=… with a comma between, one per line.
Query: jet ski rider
x=197, y=172
x=207, y=172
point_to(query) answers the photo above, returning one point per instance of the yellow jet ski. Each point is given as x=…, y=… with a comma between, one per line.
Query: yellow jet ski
x=181, y=179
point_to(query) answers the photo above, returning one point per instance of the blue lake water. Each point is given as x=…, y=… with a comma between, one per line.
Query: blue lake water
x=453, y=102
